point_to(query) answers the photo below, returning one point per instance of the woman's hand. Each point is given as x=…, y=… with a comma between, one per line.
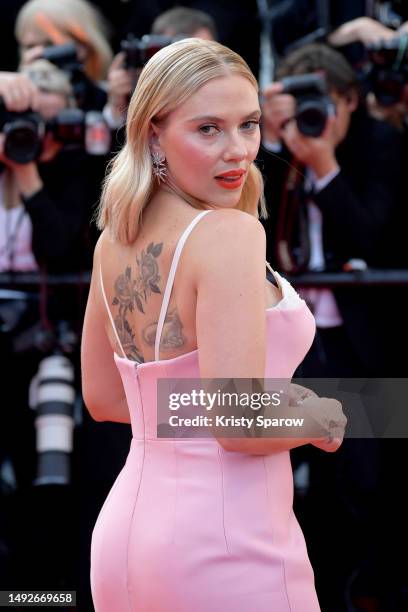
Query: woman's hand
x=325, y=420
x=297, y=394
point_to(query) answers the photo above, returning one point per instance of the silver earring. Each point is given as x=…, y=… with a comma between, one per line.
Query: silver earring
x=159, y=166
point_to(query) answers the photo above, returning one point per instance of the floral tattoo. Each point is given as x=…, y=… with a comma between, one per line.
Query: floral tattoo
x=131, y=293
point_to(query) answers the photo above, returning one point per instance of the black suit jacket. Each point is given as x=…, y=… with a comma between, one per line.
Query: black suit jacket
x=361, y=207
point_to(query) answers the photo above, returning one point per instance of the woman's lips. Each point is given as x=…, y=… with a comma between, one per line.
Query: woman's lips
x=231, y=179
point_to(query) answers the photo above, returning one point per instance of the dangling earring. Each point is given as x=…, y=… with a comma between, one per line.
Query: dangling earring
x=159, y=167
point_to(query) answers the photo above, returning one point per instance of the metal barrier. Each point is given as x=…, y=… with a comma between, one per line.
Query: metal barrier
x=371, y=276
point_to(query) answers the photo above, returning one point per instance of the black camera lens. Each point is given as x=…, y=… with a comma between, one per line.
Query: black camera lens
x=22, y=142
x=313, y=104
x=311, y=117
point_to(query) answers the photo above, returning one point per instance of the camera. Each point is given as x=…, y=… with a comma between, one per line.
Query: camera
x=65, y=57
x=138, y=51
x=313, y=104
x=24, y=132
x=388, y=69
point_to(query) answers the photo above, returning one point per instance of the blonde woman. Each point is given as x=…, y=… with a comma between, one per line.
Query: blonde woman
x=41, y=23
x=178, y=291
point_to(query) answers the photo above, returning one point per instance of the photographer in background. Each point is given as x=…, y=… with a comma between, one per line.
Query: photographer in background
x=45, y=212
x=332, y=197
x=47, y=201
x=340, y=191
x=123, y=72
x=41, y=23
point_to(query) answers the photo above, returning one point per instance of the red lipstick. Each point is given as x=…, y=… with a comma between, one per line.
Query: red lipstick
x=232, y=179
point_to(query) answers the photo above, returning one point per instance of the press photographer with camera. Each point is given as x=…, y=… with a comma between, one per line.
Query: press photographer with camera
x=48, y=186
x=127, y=65
x=53, y=184
x=339, y=191
x=383, y=66
x=78, y=25
x=333, y=187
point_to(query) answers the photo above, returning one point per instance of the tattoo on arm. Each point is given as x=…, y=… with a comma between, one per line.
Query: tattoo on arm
x=131, y=293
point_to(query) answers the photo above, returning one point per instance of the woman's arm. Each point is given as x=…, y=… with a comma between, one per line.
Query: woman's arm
x=231, y=317
x=102, y=387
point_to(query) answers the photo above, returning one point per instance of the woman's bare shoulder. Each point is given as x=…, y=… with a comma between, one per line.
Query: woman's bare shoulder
x=227, y=235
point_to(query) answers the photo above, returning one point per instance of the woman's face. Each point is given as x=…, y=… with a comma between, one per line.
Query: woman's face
x=211, y=139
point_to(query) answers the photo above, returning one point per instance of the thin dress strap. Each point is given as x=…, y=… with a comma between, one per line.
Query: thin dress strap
x=109, y=312
x=275, y=275
x=170, y=280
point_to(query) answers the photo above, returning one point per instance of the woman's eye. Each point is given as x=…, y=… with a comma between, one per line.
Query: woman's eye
x=208, y=130
x=250, y=125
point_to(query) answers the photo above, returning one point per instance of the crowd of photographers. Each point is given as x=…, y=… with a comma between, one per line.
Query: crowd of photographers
x=333, y=153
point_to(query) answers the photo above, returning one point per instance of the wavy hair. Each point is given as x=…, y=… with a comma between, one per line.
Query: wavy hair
x=172, y=75
x=76, y=18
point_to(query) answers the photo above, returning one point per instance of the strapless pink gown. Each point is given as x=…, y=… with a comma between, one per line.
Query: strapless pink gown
x=190, y=527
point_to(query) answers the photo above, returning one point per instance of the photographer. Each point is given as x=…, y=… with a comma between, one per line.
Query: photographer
x=48, y=200
x=332, y=197
x=48, y=188
x=342, y=189
x=123, y=72
x=44, y=23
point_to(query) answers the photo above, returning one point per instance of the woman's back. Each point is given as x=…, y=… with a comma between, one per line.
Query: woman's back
x=135, y=277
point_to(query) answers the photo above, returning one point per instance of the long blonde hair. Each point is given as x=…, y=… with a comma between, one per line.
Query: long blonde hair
x=76, y=18
x=172, y=75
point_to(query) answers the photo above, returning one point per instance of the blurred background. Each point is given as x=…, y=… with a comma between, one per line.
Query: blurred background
x=333, y=80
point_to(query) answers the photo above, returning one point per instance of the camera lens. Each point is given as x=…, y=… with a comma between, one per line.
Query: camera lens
x=22, y=143
x=311, y=117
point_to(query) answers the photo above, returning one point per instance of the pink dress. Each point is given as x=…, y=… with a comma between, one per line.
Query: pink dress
x=189, y=526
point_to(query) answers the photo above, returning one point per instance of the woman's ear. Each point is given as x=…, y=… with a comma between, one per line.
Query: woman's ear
x=154, y=138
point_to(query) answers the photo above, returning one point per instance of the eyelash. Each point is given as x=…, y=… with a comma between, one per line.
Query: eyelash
x=253, y=124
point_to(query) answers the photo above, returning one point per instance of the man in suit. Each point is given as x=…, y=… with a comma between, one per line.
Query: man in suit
x=345, y=186
x=333, y=198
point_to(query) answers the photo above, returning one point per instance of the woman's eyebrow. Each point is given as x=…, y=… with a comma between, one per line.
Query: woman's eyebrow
x=255, y=113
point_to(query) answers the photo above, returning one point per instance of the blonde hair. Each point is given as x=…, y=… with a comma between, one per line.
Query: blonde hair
x=76, y=18
x=172, y=75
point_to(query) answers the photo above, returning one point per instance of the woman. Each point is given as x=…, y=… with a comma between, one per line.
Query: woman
x=179, y=291
x=41, y=23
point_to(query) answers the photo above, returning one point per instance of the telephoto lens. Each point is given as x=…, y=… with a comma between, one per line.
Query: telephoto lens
x=52, y=395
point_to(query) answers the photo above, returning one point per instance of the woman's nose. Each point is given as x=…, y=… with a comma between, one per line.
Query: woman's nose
x=235, y=148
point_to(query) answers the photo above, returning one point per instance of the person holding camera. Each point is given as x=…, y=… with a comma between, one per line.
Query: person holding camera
x=42, y=25
x=339, y=193
x=47, y=190
x=333, y=189
x=127, y=65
